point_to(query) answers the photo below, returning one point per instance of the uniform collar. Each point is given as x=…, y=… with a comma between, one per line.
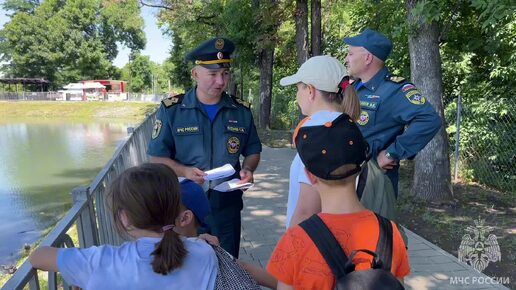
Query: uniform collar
x=377, y=79
x=190, y=100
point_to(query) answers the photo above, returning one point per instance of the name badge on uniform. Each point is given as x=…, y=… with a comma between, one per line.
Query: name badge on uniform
x=187, y=130
x=369, y=105
x=235, y=129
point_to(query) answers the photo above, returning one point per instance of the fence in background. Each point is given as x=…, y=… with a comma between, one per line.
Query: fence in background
x=484, y=147
x=53, y=96
x=89, y=212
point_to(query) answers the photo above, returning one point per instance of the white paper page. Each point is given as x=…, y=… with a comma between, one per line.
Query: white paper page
x=220, y=172
x=232, y=185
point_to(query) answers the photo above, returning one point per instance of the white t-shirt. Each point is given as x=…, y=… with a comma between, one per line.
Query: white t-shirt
x=129, y=266
x=297, y=169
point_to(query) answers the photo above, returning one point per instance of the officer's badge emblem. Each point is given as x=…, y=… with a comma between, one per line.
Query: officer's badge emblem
x=220, y=55
x=408, y=87
x=363, y=119
x=479, y=250
x=219, y=44
x=415, y=97
x=233, y=145
x=157, y=129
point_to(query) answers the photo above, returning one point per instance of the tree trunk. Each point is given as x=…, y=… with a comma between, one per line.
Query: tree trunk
x=301, y=20
x=316, y=27
x=432, y=179
x=265, y=60
x=233, y=87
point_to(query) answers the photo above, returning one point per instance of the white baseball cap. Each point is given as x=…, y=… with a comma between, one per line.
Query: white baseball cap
x=323, y=72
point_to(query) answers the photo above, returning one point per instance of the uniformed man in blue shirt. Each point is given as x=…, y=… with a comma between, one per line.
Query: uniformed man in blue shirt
x=206, y=128
x=395, y=119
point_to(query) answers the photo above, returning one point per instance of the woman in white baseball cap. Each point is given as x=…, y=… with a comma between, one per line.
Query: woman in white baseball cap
x=323, y=94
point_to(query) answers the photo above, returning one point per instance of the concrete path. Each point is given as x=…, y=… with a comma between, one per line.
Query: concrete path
x=263, y=223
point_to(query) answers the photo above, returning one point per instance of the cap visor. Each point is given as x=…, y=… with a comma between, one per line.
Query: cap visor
x=216, y=65
x=290, y=80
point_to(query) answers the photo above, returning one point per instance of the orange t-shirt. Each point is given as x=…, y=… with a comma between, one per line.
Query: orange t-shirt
x=296, y=260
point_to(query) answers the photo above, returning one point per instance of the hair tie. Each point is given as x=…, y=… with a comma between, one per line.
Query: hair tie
x=343, y=84
x=167, y=228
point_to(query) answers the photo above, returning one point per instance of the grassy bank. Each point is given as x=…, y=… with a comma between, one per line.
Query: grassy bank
x=75, y=110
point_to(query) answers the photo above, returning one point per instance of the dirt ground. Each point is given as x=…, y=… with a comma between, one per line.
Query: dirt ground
x=444, y=223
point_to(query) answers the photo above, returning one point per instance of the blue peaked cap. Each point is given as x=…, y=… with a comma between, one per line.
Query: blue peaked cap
x=375, y=42
x=194, y=199
x=213, y=53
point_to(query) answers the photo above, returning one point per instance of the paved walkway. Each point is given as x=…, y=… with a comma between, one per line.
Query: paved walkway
x=264, y=222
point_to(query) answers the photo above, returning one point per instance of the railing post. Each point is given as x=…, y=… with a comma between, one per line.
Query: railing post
x=34, y=282
x=457, y=139
x=86, y=223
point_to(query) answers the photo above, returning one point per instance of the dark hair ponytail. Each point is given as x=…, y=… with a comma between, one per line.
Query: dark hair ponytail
x=346, y=97
x=169, y=253
x=150, y=198
x=350, y=103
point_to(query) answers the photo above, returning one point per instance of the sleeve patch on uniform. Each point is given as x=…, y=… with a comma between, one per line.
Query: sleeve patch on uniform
x=157, y=129
x=396, y=79
x=407, y=87
x=415, y=97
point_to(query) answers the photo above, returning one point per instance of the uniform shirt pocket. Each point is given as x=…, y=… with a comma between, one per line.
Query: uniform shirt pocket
x=368, y=113
x=236, y=138
x=188, y=139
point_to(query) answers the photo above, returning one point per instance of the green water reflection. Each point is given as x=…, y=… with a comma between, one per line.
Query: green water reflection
x=40, y=162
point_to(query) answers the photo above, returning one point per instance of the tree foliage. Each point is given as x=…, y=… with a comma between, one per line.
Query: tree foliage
x=66, y=41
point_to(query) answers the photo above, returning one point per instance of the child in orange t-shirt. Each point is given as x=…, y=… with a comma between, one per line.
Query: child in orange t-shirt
x=333, y=154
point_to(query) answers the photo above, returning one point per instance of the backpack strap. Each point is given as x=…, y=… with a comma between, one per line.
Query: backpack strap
x=362, y=179
x=384, y=245
x=328, y=246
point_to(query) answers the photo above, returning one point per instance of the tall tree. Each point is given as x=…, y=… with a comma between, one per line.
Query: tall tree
x=140, y=73
x=15, y=6
x=266, y=43
x=301, y=20
x=316, y=35
x=432, y=167
x=66, y=41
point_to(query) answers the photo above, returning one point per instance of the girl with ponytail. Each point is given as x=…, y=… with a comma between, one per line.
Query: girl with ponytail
x=146, y=207
x=323, y=93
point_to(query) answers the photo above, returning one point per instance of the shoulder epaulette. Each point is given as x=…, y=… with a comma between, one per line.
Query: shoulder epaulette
x=241, y=102
x=171, y=101
x=395, y=78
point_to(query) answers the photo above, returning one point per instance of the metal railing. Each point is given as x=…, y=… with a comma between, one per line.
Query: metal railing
x=53, y=96
x=89, y=212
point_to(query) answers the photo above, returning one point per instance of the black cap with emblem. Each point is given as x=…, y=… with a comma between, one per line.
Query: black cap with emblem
x=213, y=53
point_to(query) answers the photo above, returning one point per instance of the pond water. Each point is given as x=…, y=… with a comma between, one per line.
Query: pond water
x=40, y=163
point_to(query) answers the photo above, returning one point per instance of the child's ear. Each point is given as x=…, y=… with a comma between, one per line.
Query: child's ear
x=312, y=178
x=186, y=218
x=126, y=223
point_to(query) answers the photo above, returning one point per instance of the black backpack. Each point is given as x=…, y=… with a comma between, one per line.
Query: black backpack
x=378, y=277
